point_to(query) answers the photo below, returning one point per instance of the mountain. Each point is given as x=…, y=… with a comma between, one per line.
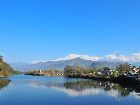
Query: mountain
x=114, y=57
x=60, y=65
x=20, y=66
x=97, y=64
x=85, y=61
x=135, y=63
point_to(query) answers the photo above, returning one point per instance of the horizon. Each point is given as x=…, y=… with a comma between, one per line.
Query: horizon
x=113, y=57
x=34, y=30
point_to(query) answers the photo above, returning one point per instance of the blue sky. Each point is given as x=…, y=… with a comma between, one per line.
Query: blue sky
x=48, y=29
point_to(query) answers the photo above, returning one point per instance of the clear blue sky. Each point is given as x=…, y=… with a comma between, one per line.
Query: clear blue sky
x=48, y=29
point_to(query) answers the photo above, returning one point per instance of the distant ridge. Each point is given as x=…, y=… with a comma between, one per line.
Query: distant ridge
x=114, y=57
x=102, y=64
x=60, y=65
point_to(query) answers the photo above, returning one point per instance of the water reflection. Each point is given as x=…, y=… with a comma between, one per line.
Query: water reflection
x=4, y=83
x=90, y=87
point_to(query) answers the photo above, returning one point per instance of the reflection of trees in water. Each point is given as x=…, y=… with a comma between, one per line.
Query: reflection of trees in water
x=4, y=83
x=77, y=87
x=123, y=90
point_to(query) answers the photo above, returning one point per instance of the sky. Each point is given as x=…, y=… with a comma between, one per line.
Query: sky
x=48, y=29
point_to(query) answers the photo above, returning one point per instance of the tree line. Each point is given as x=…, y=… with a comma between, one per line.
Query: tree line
x=119, y=71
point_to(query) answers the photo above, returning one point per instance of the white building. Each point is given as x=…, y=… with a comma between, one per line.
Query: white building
x=133, y=73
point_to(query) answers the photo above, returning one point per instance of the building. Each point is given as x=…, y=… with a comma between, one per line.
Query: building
x=104, y=72
x=133, y=73
x=135, y=70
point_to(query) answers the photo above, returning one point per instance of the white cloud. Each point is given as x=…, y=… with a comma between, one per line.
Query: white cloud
x=135, y=57
x=86, y=57
x=116, y=58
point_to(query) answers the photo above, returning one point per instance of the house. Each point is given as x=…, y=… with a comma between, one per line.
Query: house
x=40, y=72
x=134, y=73
x=104, y=72
x=135, y=70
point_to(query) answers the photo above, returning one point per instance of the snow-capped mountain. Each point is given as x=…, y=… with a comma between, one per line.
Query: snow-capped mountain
x=85, y=57
x=86, y=61
x=135, y=57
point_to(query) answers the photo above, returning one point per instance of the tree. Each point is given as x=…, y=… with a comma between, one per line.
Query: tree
x=133, y=67
x=5, y=69
x=106, y=68
x=139, y=70
x=123, y=68
x=69, y=70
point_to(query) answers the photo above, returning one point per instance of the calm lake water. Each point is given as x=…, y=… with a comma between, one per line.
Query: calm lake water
x=38, y=90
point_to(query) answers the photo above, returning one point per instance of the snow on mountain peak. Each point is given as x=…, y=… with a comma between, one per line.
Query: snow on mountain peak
x=86, y=57
x=135, y=57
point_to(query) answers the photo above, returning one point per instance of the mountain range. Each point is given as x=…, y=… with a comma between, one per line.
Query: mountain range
x=60, y=65
x=78, y=60
x=115, y=56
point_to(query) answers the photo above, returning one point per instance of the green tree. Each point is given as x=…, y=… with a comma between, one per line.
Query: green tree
x=123, y=68
x=69, y=70
x=106, y=68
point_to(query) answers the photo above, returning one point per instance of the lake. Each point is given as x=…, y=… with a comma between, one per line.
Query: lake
x=39, y=90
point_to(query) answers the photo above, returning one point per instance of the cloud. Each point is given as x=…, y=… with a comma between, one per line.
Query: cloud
x=135, y=57
x=86, y=57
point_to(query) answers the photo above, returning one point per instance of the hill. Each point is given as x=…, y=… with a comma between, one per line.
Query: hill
x=102, y=64
x=5, y=69
x=60, y=65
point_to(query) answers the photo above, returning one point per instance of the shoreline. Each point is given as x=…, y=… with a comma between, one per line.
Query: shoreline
x=119, y=80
